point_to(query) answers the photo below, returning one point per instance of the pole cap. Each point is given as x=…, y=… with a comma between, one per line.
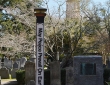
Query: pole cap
x=40, y=10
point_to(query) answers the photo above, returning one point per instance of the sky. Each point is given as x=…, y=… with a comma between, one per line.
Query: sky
x=100, y=1
x=52, y=3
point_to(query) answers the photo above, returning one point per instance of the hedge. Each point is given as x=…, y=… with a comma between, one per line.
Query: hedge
x=47, y=77
x=20, y=77
x=106, y=74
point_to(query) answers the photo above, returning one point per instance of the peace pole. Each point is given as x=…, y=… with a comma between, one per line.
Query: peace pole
x=40, y=14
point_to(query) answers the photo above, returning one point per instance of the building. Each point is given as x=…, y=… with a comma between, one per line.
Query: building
x=72, y=9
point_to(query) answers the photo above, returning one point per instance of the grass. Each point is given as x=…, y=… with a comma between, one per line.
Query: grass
x=10, y=76
x=8, y=81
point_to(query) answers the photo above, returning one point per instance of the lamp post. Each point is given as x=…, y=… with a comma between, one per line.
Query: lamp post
x=40, y=14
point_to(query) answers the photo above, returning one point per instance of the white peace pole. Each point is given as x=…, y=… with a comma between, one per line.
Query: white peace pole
x=40, y=14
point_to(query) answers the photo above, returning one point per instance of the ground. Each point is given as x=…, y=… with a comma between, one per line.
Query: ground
x=9, y=82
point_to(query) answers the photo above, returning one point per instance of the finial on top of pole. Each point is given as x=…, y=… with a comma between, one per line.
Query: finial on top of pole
x=40, y=11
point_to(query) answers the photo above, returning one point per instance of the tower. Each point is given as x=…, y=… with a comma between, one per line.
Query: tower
x=72, y=9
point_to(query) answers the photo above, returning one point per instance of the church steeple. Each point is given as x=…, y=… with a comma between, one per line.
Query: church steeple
x=73, y=9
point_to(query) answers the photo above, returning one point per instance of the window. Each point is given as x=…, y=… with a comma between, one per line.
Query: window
x=88, y=69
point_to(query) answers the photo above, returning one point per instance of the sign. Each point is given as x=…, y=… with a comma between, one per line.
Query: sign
x=40, y=54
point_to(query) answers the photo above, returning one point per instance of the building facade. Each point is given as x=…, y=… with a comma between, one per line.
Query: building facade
x=72, y=9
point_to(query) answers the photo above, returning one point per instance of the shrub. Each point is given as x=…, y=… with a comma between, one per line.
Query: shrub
x=106, y=74
x=63, y=76
x=20, y=77
x=47, y=77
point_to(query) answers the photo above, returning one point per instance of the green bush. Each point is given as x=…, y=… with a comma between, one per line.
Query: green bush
x=63, y=76
x=106, y=74
x=105, y=83
x=20, y=76
x=47, y=77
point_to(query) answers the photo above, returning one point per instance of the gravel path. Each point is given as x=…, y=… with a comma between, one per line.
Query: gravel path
x=9, y=82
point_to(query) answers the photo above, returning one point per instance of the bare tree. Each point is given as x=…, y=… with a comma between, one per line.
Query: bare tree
x=64, y=35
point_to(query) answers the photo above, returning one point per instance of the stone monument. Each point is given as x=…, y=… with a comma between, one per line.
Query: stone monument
x=88, y=70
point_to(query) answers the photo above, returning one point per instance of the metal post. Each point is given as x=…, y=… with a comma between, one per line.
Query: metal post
x=40, y=14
